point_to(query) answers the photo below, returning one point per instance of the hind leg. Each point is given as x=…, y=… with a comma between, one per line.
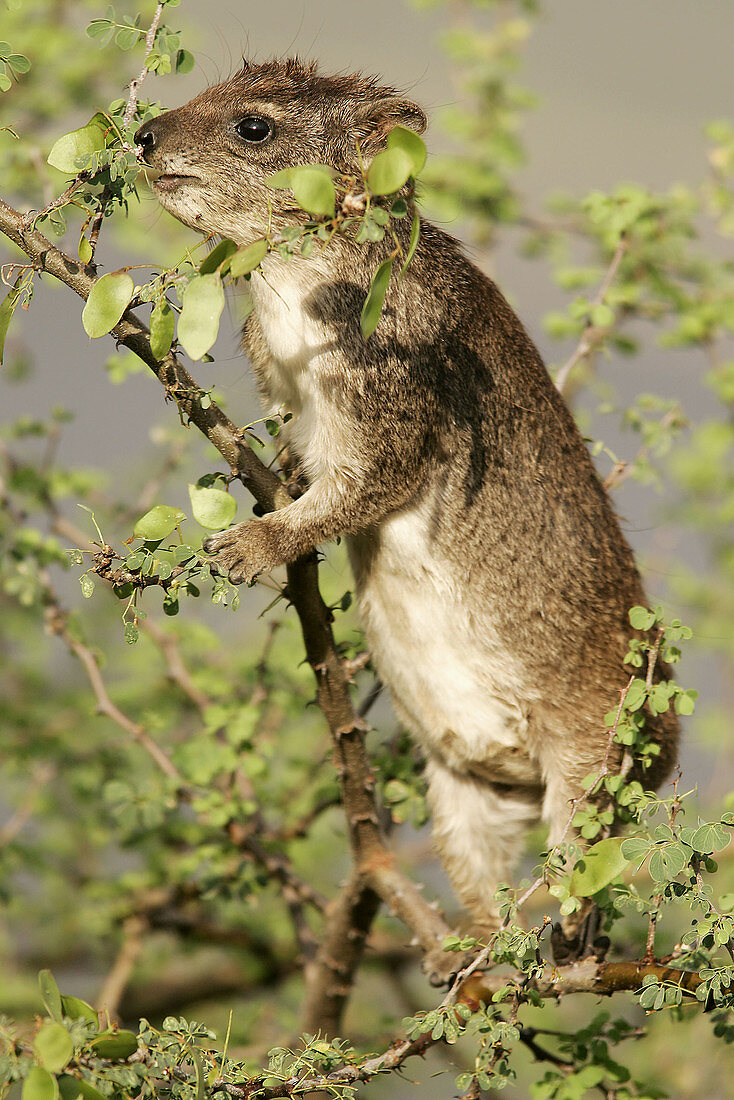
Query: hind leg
x=478, y=828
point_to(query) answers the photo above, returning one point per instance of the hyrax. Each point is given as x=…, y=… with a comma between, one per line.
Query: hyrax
x=492, y=577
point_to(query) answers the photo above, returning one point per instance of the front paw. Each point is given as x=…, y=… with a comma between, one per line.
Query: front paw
x=243, y=552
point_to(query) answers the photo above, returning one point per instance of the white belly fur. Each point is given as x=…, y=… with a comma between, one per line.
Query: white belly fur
x=302, y=361
x=453, y=682
x=455, y=685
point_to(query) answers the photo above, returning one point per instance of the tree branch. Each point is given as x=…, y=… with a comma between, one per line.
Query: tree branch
x=592, y=334
x=132, y=100
x=114, y=985
x=329, y=976
x=586, y=976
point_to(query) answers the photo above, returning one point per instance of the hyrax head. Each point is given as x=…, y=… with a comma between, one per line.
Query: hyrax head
x=214, y=154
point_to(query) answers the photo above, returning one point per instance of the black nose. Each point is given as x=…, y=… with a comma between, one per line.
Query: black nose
x=146, y=138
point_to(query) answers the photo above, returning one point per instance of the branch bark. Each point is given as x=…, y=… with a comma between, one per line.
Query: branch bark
x=329, y=976
x=586, y=976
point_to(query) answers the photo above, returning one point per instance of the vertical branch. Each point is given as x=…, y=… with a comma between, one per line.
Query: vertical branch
x=591, y=335
x=329, y=976
x=132, y=100
x=114, y=985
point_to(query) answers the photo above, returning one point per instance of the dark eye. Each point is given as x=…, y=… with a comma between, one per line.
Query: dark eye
x=254, y=128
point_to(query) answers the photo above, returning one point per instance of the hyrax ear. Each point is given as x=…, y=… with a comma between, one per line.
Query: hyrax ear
x=374, y=120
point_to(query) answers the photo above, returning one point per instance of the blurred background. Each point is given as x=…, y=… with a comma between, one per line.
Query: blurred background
x=601, y=93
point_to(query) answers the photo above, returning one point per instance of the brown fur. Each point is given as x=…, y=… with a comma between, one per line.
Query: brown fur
x=442, y=449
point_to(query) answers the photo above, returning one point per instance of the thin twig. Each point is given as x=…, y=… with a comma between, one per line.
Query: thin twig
x=57, y=624
x=32, y=216
x=41, y=775
x=132, y=99
x=133, y=932
x=592, y=333
x=176, y=668
x=623, y=470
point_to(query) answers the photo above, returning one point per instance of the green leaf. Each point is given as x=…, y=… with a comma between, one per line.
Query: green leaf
x=87, y=585
x=212, y=508
x=389, y=171
x=372, y=308
x=84, y=250
x=7, y=309
x=674, y=859
x=40, y=1085
x=415, y=233
x=77, y=1009
x=602, y=316
x=158, y=522
x=685, y=703
x=79, y=143
x=217, y=256
x=98, y=27
x=411, y=144
x=73, y=1088
x=636, y=695
x=198, y=325
x=184, y=61
x=162, y=327
x=18, y=62
x=50, y=993
x=601, y=863
x=312, y=187
x=115, y=1045
x=635, y=847
x=641, y=618
x=711, y=837
x=53, y=1047
x=108, y=299
x=131, y=634
x=248, y=258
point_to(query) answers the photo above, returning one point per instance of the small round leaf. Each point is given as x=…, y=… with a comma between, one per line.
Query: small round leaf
x=162, y=326
x=184, y=61
x=389, y=171
x=115, y=1045
x=40, y=1085
x=312, y=186
x=248, y=258
x=54, y=1047
x=158, y=523
x=601, y=863
x=79, y=143
x=212, y=508
x=402, y=138
x=198, y=325
x=108, y=299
